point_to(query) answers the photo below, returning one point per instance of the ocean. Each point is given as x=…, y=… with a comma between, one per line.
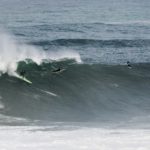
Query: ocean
x=97, y=102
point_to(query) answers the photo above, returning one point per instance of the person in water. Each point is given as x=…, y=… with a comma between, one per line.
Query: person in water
x=129, y=65
x=22, y=73
x=57, y=70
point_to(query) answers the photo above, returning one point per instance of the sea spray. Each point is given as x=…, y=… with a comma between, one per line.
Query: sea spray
x=13, y=52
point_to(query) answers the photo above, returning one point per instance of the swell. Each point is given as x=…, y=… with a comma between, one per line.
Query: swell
x=94, y=42
x=80, y=93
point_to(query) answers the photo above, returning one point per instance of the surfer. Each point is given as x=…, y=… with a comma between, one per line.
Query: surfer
x=21, y=76
x=56, y=70
x=129, y=65
x=22, y=73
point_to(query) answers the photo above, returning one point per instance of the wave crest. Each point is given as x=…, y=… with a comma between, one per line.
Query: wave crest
x=13, y=52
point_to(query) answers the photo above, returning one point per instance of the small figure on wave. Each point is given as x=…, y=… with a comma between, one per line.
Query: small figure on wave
x=129, y=65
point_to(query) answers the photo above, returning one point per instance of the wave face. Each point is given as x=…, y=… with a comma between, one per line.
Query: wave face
x=89, y=90
x=92, y=40
x=83, y=92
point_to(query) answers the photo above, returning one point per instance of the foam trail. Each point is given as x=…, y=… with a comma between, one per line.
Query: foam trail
x=13, y=52
x=48, y=92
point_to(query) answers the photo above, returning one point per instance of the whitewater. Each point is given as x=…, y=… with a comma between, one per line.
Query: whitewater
x=12, y=53
x=36, y=138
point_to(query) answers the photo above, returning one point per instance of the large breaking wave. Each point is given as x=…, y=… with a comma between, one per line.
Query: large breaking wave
x=101, y=93
x=13, y=52
x=83, y=92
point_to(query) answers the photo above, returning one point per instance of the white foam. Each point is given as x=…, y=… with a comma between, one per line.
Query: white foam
x=136, y=22
x=1, y=105
x=38, y=138
x=48, y=92
x=11, y=52
x=10, y=119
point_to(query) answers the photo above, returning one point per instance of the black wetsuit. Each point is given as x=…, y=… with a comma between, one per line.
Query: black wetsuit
x=22, y=73
x=57, y=70
x=129, y=65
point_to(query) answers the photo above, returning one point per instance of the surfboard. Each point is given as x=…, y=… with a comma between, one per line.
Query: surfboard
x=24, y=79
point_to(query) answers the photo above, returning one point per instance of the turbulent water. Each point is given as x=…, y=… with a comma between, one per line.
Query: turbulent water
x=97, y=101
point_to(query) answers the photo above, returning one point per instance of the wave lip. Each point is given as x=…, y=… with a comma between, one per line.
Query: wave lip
x=12, y=52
